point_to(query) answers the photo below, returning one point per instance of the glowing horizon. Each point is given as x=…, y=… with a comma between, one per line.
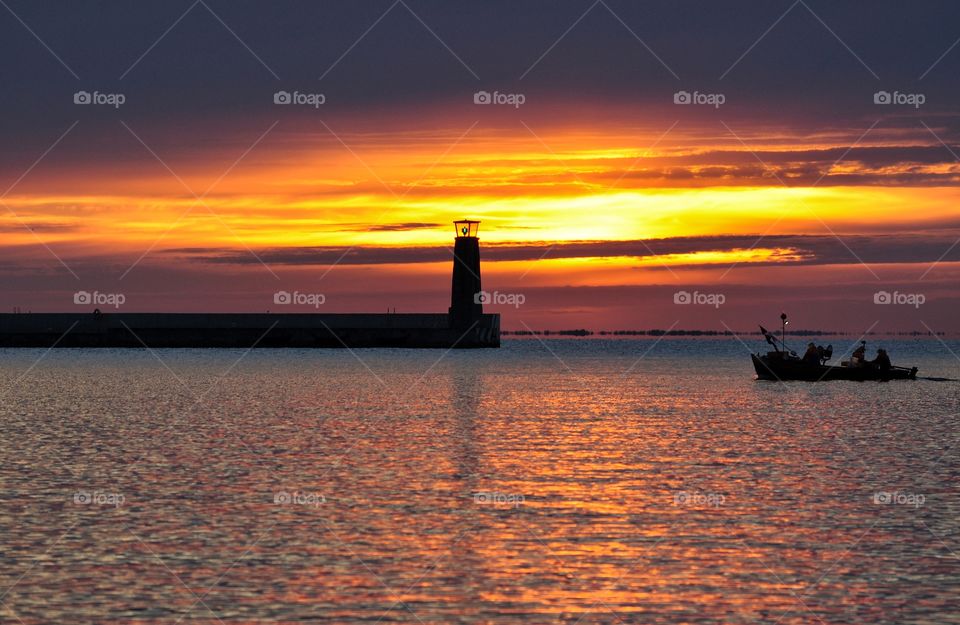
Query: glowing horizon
x=524, y=187
x=596, y=207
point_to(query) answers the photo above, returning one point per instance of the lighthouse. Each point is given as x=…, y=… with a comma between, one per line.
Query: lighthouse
x=466, y=305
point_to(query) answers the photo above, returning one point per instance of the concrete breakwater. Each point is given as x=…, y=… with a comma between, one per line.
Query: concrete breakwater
x=245, y=330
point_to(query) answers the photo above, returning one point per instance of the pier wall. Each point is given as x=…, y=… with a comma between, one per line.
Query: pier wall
x=244, y=330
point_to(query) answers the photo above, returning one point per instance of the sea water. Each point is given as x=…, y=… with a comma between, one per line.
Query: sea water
x=572, y=481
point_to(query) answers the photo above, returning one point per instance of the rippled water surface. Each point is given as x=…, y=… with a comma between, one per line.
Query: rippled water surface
x=570, y=481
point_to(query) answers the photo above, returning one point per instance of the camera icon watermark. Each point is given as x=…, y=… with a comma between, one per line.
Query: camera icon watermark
x=685, y=298
x=115, y=100
x=897, y=498
x=304, y=99
x=716, y=100
x=297, y=498
x=286, y=298
x=515, y=100
x=97, y=498
x=86, y=298
x=494, y=498
x=886, y=298
x=916, y=100
x=685, y=498
x=499, y=299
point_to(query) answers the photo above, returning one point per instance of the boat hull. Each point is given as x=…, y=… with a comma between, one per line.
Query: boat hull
x=779, y=369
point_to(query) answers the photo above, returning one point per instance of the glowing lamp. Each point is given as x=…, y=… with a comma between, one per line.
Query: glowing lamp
x=466, y=228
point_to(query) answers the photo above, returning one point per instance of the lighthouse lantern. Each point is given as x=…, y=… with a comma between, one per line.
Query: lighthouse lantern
x=467, y=228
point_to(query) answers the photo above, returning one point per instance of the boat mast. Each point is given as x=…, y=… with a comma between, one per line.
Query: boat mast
x=783, y=331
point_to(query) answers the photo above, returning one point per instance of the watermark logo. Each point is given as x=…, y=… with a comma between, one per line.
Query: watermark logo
x=493, y=498
x=901, y=299
x=286, y=298
x=684, y=498
x=115, y=100
x=700, y=299
x=715, y=100
x=515, y=100
x=499, y=299
x=307, y=99
x=86, y=298
x=897, y=498
x=97, y=498
x=297, y=498
x=916, y=100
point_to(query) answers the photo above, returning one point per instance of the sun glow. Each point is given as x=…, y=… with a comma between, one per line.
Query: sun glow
x=402, y=190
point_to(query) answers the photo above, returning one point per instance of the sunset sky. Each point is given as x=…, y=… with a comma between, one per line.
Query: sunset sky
x=600, y=197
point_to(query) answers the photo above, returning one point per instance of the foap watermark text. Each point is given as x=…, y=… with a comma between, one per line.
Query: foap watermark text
x=303, y=99
x=494, y=498
x=115, y=100
x=898, y=498
x=900, y=299
x=86, y=298
x=286, y=298
x=916, y=100
x=685, y=498
x=715, y=100
x=699, y=299
x=298, y=498
x=98, y=498
x=499, y=299
x=515, y=100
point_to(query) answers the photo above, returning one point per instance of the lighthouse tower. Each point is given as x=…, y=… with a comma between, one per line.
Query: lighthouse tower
x=466, y=306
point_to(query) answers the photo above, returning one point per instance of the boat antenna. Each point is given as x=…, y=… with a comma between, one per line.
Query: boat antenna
x=783, y=330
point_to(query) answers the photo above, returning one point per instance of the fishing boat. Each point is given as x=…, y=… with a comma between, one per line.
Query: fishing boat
x=782, y=367
x=782, y=364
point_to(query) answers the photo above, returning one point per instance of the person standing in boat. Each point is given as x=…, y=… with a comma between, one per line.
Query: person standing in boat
x=812, y=355
x=859, y=355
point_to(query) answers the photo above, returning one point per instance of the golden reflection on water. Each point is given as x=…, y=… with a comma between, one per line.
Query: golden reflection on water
x=504, y=487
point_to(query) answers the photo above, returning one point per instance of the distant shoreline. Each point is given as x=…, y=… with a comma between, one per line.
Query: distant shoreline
x=703, y=333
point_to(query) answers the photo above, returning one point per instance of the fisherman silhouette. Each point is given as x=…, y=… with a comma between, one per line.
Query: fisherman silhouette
x=859, y=355
x=882, y=361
